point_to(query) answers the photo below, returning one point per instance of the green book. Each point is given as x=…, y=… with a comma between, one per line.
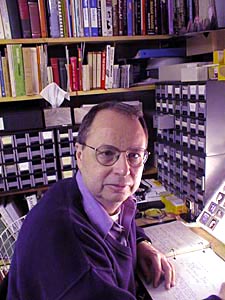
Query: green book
x=18, y=70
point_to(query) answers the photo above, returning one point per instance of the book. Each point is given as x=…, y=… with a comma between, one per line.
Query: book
x=2, y=34
x=93, y=18
x=5, y=68
x=75, y=83
x=2, y=83
x=18, y=69
x=130, y=14
x=60, y=17
x=90, y=63
x=14, y=19
x=62, y=73
x=86, y=16
x=99, y=17
x=43, y=18
x=24, y=18
x=85, y=77
x=115, y=17
x=11, y=69
x=195, y=262
x=103, y=18
x=29, y=75
x=34, y=19
x=5, y=19
x=53, y=18
x=55, y=69
x=109, y=18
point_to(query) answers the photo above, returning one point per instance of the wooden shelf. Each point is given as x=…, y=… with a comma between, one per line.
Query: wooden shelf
x=74, y=40
x=82, y=93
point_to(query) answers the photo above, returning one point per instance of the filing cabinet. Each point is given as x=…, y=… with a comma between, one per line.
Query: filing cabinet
x=192, y=163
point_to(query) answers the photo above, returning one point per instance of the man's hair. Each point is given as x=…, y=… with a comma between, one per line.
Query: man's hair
x=120, y=107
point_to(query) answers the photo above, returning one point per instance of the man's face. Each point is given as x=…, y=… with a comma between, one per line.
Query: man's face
x=111, y=185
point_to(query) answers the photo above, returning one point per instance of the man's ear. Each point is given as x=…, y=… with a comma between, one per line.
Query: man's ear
x=79, y=150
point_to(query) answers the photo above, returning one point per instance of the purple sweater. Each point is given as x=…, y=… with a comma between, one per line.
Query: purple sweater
x=60, y=255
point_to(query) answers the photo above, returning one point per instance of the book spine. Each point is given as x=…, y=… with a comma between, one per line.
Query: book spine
x=5, y=19
x=129, y=17
x=94, y=17
x=69, y=4
x=18, y=70
x=60, y=16
x=11, y=69
x=34, y=19
x=73, y=62
x=137, y=9
x=43, y=18
x=156, y=17
x=103, y=69
x=115, y=17
x=104, y=18
x=62, y=73
x=85, y=6
x=24, y=18
x=73, y=19
x=150, y=17
x=81, y=18
x=98, y=71
x=5, y=68
x=90, y=63
x=64, y=19
x=143, y=17
x=14, y=19
x=55, y=69
x=99, y=17
x=2, y=33
x=86, y=78
x=53, y=16
x=109, y=20
x=80, y=62
x=2, y=83
x=94, y=69
x=107, y=67
x=27, y=62
x=120, y=17
x=124, y=17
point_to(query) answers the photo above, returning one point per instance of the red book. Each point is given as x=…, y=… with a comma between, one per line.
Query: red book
x=55, y=69
x=74, y=81
x=34, y=19
x=24, y=18
x=103, y=69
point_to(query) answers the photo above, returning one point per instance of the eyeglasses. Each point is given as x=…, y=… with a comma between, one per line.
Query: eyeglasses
x=108, y=155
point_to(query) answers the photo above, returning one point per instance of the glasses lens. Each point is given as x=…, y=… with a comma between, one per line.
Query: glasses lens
x=107, y=155
x=137, y=157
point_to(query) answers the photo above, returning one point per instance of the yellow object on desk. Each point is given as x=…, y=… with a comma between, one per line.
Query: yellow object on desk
x=173, y=204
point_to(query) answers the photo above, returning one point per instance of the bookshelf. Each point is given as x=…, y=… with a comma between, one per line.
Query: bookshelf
x=126, y=46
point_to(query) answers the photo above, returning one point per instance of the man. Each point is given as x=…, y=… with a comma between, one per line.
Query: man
x=81, y=241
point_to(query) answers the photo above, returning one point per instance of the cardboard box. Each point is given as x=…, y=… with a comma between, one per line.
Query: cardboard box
x=205, y=42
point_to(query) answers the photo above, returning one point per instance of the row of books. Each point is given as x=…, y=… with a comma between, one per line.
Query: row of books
x=83, y=18
x=25, y=70
x=74, y=18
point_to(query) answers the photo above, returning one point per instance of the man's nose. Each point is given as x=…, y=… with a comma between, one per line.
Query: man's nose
x=122, y=166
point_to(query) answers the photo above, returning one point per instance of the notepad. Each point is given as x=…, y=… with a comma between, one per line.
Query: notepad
x=199, y=271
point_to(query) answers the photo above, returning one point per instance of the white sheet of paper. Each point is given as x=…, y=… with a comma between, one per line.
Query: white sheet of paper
x=198, y=275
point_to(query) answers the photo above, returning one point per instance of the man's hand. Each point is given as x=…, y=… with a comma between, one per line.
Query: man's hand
x=154, y=265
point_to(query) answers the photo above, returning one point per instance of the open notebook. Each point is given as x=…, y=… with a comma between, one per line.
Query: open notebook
x=199, y=271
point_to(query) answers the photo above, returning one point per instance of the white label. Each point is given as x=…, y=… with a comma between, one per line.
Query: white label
x=24, y=166
x=7, y=140
x=201, y=89
x=193, y=89
x=192, y=106
x=47, y=135
x=1, y=124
